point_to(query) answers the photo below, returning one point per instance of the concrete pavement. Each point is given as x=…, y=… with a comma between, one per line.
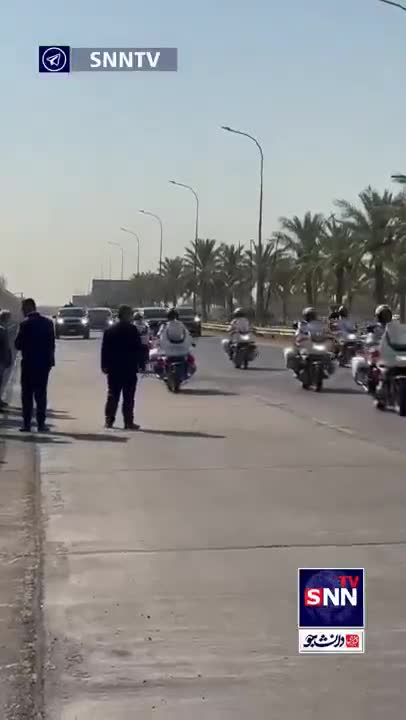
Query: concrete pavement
x=170, y=555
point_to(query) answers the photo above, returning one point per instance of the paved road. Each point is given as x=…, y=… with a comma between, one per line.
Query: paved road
x=170, y=556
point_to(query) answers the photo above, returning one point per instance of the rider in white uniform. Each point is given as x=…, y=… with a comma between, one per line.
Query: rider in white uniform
x=240, y=325
x=344, y=324
x=175, y=339
x=309, y=330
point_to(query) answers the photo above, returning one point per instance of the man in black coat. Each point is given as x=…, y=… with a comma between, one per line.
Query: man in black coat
x=36, y=342
x=121, y=356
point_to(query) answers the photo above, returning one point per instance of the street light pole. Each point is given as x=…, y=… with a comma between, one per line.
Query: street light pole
x=260, y=269
x=131, y=232
x=394, y=4
x=173, y=182
x=122, y=257
x=145, y=212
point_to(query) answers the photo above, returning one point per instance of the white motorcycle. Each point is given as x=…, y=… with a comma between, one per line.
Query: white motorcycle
x=364, y=369
x=241, y=350
x=349, y=344
x=391, y=389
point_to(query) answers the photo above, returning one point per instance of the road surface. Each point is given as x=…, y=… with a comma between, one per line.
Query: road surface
x=169, y=557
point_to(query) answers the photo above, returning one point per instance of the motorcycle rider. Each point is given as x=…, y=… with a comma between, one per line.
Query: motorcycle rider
x=383, y=316
x=145, y=334
x=175, y=339
x=240, y=325
x=309, y=328
x=344, y=324
x=333, y=317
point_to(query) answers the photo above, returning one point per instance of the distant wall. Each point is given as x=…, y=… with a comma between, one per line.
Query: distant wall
x=8, y=301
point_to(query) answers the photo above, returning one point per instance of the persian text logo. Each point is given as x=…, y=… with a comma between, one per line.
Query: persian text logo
x=66, y=59
x=331, y=599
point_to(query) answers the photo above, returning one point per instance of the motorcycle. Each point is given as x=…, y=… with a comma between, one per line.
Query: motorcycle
x=364, y=367
x=316, y=365
x=391, y=388
x=243, y=351
x=348, y=346
x=174, y=371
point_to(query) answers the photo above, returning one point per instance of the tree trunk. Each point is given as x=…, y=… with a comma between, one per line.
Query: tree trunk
x=284, y=308
x=402, y=304
x=309, y=289
x=339, y=273
x=267, y=299
x=203, y=298
x=230, y=302
x=379, y=282
x=260, y=296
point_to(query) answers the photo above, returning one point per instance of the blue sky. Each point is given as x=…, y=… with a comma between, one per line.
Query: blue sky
x=319, y=82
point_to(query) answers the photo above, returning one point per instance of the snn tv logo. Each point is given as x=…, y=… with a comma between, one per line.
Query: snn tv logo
x=345, y=594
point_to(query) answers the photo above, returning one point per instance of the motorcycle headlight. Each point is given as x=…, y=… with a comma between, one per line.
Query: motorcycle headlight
x=84, y=321
x=320, y=348
x=352, y=337
x=59, y=321
x=111, y=321
x=197, y=319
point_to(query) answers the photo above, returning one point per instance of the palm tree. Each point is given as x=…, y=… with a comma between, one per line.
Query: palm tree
x=202, y=255
x=302, y=238
x=260, y=259
x=337, y=250
x=173, y=281
x=369, y=227
x=283, y=282
x=230, y=271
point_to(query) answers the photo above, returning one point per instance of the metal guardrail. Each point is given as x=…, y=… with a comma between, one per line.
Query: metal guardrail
x=269, y=332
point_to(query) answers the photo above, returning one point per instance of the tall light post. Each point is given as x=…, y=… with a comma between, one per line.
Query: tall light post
x=145, y=212
x=114, y=244
x=131, y=232
x=260, y=269
x=173, y=182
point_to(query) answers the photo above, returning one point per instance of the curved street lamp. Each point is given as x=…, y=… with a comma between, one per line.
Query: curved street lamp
x=131, y=232
x=394, y=4
x=145, y=212
x=260, y=270
x=188, y=187
x=114, y=244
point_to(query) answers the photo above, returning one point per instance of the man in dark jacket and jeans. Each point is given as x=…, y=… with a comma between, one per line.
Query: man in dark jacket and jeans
x=36, y=342
x=121, y=356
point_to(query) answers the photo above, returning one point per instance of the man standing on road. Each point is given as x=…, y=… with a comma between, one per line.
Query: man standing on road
x=122, y=354
x=36, y=341
x=5, y=351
